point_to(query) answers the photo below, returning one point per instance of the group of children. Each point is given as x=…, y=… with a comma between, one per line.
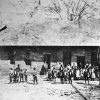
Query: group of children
x=89, y=72
x=18, y=75
x=69, y=72
x=65, y=74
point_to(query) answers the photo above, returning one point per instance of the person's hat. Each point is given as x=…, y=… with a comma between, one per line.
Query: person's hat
x=34, y=68
x=18, y=65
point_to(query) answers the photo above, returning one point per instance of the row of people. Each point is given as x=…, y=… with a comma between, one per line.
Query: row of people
x=92, y=70
x=62, y=73
x=18, y=75
x=68, y=72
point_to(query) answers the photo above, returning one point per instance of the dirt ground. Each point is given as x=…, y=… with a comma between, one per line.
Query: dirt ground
x=43, y=90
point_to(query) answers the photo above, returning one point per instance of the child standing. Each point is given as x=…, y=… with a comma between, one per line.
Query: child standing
x=11, y=73
x=25, y=75
x=35, y=76
x=55, y=74
x=21, y=75
x=15, y=75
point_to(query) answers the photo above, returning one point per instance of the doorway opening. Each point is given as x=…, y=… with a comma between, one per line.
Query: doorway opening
x=27, y=58
x=66, y=57
x=12, y=57
x=47, y=59
x=94, y=60
x=81, y=61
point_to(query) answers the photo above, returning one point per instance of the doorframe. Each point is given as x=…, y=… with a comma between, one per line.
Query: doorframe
x=67, y=54
x=81, y=60
x=45, y=59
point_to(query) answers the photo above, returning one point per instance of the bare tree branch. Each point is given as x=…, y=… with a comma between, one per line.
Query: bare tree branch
x=76, y=11
x=55, y=8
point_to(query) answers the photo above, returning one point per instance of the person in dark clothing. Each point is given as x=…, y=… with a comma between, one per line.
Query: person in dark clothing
x=86, y=75
x=61, y=68
x=61, y=74
x=62, y=77
x=42, y=72
x=96, y=71
x=70, y=76
x=74, y=74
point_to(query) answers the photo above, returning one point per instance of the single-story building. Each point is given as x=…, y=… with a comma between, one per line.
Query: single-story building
x=50, y=54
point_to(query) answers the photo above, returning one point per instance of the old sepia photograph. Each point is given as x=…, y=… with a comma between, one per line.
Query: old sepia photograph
x=49, y=50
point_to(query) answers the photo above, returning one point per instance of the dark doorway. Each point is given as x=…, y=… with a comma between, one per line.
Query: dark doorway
x=12, y=61
x=12, y=57
x=67, y=57
x=27, y=57
x=27, y=61
x=94, y=60
x=47, y=59
x=81, y=61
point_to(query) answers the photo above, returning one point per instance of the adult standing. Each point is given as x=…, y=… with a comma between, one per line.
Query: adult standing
x=42, y=72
